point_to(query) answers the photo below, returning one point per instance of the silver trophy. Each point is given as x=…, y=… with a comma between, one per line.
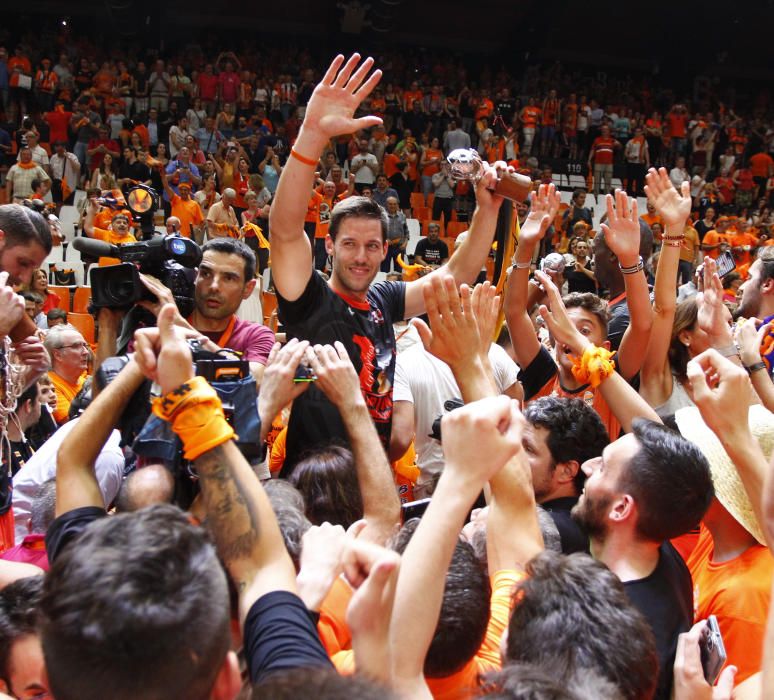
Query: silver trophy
x=466, y=164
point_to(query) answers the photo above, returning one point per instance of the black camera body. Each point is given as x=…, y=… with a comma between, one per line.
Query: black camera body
x=171, y=259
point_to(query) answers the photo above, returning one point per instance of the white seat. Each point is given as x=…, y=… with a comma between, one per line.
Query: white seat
x=382, y=276
x=414, y=227
x=266, y=279
x=80, y=195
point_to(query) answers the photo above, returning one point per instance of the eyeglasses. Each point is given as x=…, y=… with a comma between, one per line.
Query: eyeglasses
x=83, y=345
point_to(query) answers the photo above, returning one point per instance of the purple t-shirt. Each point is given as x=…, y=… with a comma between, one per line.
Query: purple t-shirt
x=253, y=340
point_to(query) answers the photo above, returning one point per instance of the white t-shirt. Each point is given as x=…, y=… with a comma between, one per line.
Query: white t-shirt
x=364, y=175
x=109, y=469
x=427, y=382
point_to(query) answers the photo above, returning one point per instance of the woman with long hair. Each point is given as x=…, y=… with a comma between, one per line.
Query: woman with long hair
x=682, y=331
x=104, y=176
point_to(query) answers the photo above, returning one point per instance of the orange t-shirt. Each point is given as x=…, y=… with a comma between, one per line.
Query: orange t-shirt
x=738, y=593
x=484, y=109
x=411, y=97
x=712, y=237
x=189, y=212
x=433, y=168
x=651, y=219
x=529, y=117
x=464, y=683
x=760, y=163
x=550, y=112
x=740, y=240
x=390, y=164
x=313, y=210
x=676, y=124
x=65, y=393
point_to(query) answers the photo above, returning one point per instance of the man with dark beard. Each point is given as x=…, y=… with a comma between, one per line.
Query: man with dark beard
x=646, y=488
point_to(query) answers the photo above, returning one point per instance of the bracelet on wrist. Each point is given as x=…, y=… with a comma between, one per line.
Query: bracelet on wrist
x=673, y=243
x=594, y=366
x=634, y=269
x=755, y=367
x=522, y=265
x=728, y=350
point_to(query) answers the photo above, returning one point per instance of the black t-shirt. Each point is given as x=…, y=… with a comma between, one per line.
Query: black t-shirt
x=665, y=598
x=279, y=635
x=618, y=323
x=134, y=171
x=506, y=107
x=579, y=281
x=572, y=537
x=68, y=526
x=320, y=315
x=432, y=253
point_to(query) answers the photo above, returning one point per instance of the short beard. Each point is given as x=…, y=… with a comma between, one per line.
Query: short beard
x=590, y=516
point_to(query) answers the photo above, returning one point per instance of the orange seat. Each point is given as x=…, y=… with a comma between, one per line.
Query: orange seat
x=81, y=300
x=422, y=212
x=84, y=323
x=417, y=200
x=430, y=198
x=455, y=228
x=269, y=303
x=64, y=296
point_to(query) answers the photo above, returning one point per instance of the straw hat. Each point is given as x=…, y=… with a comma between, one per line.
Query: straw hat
x=728, y=486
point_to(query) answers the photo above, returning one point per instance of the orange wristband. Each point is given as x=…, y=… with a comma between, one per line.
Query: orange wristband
x=594, y=367
x=303, y=159
x=196, y=414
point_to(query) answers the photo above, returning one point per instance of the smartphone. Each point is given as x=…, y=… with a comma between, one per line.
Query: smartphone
x=304, y=373
x=414, y=509
x=712, y=649
x=726, y=263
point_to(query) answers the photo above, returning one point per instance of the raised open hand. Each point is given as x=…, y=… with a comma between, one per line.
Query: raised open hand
x=672, y=206
x=622, y=230
x=542, y=212
x=453, y=335
x=485, y=307
x=331, y=109
x=713, y=317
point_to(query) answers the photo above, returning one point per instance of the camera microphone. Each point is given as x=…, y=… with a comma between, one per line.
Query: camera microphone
x=97, y=249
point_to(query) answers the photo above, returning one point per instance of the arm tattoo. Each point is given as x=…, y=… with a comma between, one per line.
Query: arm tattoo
x=231, y=510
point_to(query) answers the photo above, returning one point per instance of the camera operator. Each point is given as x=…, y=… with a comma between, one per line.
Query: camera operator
x=118, y=233
x=225, y=277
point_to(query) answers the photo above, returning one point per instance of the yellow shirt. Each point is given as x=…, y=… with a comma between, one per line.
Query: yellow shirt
x=110, y=236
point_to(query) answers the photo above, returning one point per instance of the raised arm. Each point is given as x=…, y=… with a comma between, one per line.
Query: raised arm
x=239, y=514
x=722, y=392
x=329, y=114
x=337, y=379
x=624, y=402
x=76, y=482
x=543, y=208
x=622, y=235
x=479, y=439
x=467, y=261
x=674, y=208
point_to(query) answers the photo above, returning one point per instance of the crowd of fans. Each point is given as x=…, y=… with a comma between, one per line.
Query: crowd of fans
x=540, y=485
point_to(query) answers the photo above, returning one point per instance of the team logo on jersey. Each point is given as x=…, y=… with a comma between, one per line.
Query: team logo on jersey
x=376, y=316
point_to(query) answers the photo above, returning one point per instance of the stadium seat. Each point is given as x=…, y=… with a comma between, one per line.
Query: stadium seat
x=422, y=213
x=455, y=228
x=81, y=300
x=64, y=296
x=417, y=200
x=414, y=227
x=85, y=324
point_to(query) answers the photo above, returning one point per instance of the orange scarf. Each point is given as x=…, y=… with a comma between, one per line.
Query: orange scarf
x=27, y=166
